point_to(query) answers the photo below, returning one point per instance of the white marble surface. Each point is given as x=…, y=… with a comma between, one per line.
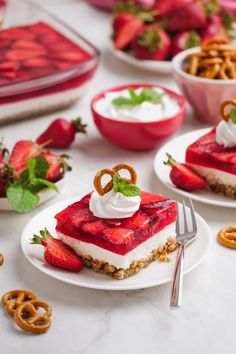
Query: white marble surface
x=89, y=321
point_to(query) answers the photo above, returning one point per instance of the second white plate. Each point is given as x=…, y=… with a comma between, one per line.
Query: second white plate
x=177, y=147
x=155, y=274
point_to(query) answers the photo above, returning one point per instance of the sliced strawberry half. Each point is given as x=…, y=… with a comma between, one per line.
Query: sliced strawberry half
x=184, y=177
x=125, y=27
x=119, y=235
x=22, y=151
x=27, y=44
x=57, y=253
x=36, y=63
x=23, y=54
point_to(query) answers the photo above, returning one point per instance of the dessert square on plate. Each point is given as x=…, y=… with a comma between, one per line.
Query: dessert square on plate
x=216, y=163
x=119, y=247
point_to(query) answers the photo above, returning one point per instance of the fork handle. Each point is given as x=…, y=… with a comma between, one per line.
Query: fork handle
x=177, y=284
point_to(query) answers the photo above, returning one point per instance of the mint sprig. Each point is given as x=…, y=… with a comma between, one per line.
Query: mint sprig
x=233, y=115
x=147, y=94
x=22, y=194
x=125, y=188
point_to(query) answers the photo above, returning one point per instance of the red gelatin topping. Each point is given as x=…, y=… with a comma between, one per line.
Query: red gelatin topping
x=38, y=50
x=117, y=235
x=207, y=153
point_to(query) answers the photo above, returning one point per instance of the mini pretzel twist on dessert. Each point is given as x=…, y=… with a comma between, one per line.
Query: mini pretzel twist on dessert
x=15, y=298
x=1, y=259
x=111, y=172
x=226, y=114
x=216, y=60
x=227, y=237
x=28, y=317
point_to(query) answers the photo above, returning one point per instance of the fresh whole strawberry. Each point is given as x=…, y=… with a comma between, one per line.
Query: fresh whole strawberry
x=167, y=7
x=213, y=29
x=183, y=176
x=61, y=133
x=184, y=40
x=125, y=27
x=151, y=43
x=192, y=16
x=57, y=253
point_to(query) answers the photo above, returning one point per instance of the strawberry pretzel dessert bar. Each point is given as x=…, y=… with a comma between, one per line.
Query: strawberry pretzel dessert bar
x=118, y=229
x=213, y=156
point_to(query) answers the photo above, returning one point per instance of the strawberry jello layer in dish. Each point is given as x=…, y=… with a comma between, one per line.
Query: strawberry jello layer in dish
x=119, y=247
x=41, y=68
x=215, y=163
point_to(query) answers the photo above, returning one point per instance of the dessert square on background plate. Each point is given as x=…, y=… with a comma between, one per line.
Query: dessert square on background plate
x=177, y=148
x=46, y=65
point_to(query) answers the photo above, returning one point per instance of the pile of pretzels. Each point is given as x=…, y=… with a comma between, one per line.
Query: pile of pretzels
x=216, y=60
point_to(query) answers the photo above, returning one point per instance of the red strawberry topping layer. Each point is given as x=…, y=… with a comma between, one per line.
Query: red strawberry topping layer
x=34, y=49
x=207, y=153
x=121, y=235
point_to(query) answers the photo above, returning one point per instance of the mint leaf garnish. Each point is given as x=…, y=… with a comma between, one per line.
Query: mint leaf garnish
x=233, y=115
x=22, y=194
x=147, y=94
x=125, y=188
x=21, y=199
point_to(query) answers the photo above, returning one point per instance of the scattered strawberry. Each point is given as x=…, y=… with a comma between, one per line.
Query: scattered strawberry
x=184, y=40
x=190, y=17
x=183, y=176
x=125, y=28
x=9, y=65
x=61, y=133
x=118, y=235
x=57, y=253
x=151, y=43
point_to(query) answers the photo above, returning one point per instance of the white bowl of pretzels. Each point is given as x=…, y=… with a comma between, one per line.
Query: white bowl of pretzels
x=207, y=77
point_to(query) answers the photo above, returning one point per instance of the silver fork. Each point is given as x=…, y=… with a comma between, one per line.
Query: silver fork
x=183, y=239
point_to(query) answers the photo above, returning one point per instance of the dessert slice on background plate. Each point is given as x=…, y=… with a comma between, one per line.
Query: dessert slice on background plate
x=45, y=64
x=117, y=229
x=213, y=155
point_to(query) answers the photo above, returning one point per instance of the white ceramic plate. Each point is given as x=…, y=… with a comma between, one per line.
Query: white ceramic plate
x=45, y=195
x=155, y=274
x=163, y=66
x=177, y=147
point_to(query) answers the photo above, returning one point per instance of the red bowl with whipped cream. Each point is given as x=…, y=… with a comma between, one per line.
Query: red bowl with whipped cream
x=144, y=128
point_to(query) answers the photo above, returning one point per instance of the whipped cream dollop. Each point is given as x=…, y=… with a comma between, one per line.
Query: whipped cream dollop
x=226, y=133
x=144, y=112
x=113, y=205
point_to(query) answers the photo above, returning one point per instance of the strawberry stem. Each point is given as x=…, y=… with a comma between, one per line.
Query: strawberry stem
x=79, y=126
x=44, y=236
x=170, y=162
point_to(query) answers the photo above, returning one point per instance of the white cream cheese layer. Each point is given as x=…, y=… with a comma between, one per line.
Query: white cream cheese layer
x=141, y=252
x=144, y=112
x=211, y=174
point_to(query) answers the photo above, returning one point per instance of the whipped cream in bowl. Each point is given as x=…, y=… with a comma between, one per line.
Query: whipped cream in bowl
x=113, y=205
x=142, y=104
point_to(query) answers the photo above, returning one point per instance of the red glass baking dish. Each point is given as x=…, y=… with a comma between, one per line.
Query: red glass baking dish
x=45, y=65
